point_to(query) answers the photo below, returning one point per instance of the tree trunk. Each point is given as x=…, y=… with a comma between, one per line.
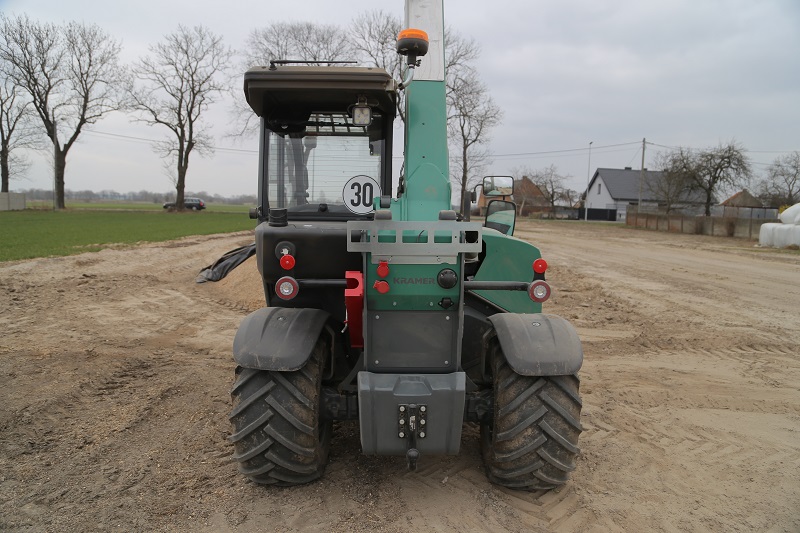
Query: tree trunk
x=708, y=203
x=61, y=164
x=179, y=187
x=4, y=170
x=464, y=169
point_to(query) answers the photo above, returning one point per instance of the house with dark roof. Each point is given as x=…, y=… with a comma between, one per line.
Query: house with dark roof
x=743, y=198
x=612, y=190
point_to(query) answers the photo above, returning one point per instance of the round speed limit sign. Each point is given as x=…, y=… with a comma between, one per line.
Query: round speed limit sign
x=358, y=193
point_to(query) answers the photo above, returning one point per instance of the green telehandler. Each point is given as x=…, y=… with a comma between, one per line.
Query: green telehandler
x=391, y=309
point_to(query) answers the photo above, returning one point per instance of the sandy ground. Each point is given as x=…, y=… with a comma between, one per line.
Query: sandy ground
x=115, y=369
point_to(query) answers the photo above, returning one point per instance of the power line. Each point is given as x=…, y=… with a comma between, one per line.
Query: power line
x=150, y=141
x=559, y=155
x=564, y=151
x=548, y=152
x=128, y=137
x=745, y=150
x=634, y=156
x=664, y=146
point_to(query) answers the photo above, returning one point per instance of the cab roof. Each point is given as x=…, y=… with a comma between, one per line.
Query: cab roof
x=300, y=90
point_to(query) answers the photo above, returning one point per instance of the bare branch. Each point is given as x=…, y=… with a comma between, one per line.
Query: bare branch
x=300, y=41
x=710, y=170
x=471, y=115
x=374, y=36
x=178, y=81
x=672, y=186
x=71, y=74
x=16, y=132
x=782, y=185
x=552, y=185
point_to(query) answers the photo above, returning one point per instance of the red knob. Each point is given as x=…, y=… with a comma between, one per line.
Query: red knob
x=381, y=286
x=540, y=266
x=383, y=269
x=287, y=262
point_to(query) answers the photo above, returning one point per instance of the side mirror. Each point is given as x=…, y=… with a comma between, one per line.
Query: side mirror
x=498, y=186
x=501, y=216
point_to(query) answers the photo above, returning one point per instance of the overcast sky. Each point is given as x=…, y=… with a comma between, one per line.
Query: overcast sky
x=689, y=73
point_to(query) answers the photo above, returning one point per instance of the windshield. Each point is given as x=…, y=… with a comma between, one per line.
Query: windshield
x=309, y=169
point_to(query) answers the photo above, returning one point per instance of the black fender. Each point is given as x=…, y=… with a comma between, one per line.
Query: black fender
x=536, y=344
x=278, y=338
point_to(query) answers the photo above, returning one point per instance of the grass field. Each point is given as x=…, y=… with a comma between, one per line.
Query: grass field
x=41, y=233
x=133, y=206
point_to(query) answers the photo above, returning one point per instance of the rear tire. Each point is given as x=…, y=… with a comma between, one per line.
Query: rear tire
x=532, y=442
x=278, y=436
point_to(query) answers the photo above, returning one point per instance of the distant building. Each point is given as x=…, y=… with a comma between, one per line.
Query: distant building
x=483, y=201
x=744, y=205
x=743, y=198
x=529, y=197
x=611, y=191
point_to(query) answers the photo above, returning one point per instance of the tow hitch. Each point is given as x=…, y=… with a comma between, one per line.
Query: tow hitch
x=411, y=424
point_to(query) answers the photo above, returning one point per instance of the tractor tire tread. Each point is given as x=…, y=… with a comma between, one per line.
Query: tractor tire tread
x=532, y=441
x=278, y=436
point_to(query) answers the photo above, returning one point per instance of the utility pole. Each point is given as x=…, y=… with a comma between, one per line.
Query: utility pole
x=55, y=162
x=588, y=182
x=641, y=177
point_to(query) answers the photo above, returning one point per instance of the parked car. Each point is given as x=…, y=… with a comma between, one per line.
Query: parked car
x=195, y=204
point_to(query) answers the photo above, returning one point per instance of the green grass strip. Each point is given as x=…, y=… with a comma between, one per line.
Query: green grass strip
x=34, y=233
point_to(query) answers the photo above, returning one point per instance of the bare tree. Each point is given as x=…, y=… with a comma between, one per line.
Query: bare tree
x=569, y=197
x=671, y=186
x=782, y=186
x=471, y=115
x=71, y=73
x=180, y=78
x=303, y=42
x=16, y=132
x=526, y=193
x=299, y=41
x=374, y=35
x=725, y=166
x=551, y=183
x=459, y=51
x=712, y=169
x=471, y=112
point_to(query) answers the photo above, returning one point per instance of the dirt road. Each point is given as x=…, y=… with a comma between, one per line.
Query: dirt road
x=115, y=369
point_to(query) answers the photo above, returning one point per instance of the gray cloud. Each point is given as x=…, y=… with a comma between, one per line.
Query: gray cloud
x=691, y=73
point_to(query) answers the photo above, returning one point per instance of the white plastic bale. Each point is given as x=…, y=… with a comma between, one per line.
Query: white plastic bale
x=786, y=235
x=791, y=215
x=766, y=235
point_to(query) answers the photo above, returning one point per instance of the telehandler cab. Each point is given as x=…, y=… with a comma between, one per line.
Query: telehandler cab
x=388, y=308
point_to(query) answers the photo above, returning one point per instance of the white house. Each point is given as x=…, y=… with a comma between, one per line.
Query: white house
x=613, y=190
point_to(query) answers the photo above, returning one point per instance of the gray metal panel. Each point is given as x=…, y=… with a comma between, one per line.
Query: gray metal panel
x=422, y=250
x=398, y=341
x=380, y=395
x=536, y=344
x=278, y=338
